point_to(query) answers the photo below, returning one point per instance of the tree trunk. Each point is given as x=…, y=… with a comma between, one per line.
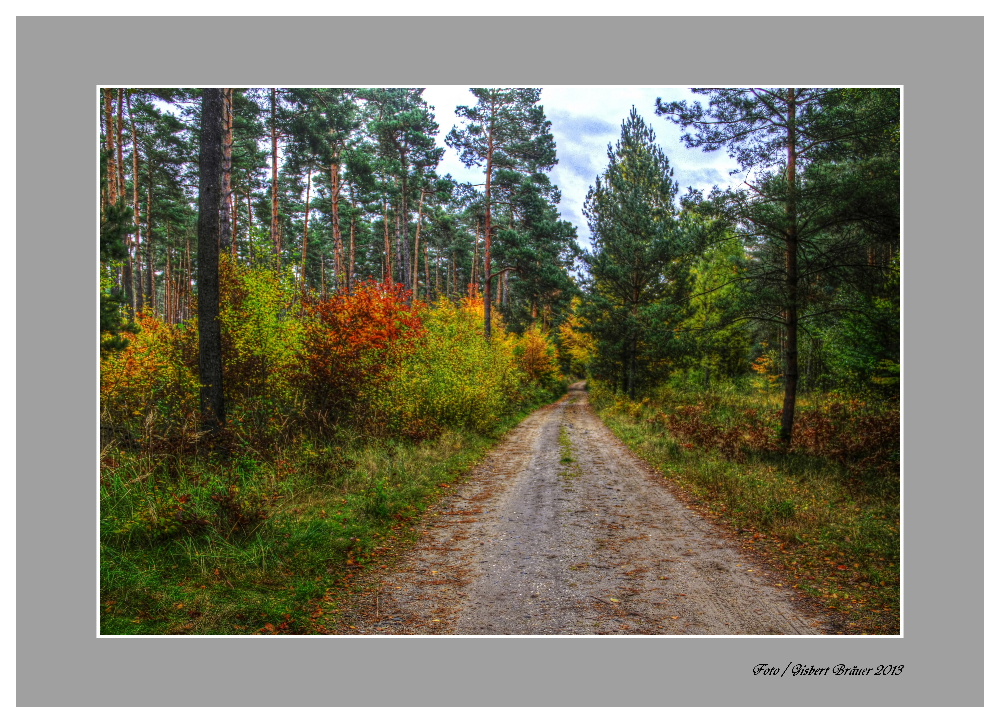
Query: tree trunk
x=119, y=161
x=350, y=266
x=338, y=239
x=226, y=228
x=150, y=255
x=791, y=287
x=354, y=223
x=189, y=275
x=305, y=236
x=487, y=258
x=109, y=135
x=403, y=268
x=387, y=271
x=275, y=220
x=168, y=289
x=209, y=225
x=475, y=261
x=137, y=241
x=437, y=276
x=416, y=246
x=403, y=226
x=249, y=220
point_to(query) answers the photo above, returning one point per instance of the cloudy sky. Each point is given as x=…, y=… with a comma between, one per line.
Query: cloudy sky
x=585, y=119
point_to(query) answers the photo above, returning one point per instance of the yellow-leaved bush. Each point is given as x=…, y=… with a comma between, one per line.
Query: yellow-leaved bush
x=455, y=377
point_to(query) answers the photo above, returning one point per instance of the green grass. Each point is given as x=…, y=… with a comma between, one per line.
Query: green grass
x=565, y=446
x=831, y=525
x=245, y=546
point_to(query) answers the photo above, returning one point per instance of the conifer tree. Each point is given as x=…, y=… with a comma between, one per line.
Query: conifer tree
x=505, y=131
x=639, y=267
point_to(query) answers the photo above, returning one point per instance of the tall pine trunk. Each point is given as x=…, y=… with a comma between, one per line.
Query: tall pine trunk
x=487, y=257
x=416, y=245
x=791, y=286
x=213, y=412
x=387, y=271
x=350, y=265
x=475, y=263
x=275, y=218
x=354, y=223
x=150, y=255
x=226, y=222
x=137, y=240
x=338, y=239
x=109, y=137
x=305, y=236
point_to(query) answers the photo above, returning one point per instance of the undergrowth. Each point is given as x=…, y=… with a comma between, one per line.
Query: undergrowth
x=247, y=546
x=826, y=511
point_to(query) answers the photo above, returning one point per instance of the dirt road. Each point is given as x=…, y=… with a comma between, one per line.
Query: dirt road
x=563, y=531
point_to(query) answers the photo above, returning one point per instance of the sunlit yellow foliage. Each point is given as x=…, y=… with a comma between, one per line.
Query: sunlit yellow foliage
x=454, y=376
x=153, y=383
x=577, y=344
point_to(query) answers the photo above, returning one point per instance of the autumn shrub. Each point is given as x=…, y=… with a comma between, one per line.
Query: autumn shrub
x=262, y=340
x=149, y=391
x=537, y=359
x=453, y=376
x=350, y=343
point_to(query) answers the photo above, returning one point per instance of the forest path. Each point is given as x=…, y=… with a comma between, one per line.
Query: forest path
x=562, y=530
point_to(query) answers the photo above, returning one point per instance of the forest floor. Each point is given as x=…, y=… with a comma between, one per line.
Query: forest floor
x=562, y=530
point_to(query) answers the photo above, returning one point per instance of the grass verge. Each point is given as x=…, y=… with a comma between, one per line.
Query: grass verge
x=830, y=525
x=245, y=546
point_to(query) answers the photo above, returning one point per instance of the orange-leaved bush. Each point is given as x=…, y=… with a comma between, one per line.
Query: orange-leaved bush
x=150, y=389
x=349, y=343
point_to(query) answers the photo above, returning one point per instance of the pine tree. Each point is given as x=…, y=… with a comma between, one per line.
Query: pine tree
x=505, y=131
x=639, y=268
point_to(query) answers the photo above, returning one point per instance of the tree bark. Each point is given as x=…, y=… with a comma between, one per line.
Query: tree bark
x=150, y=255
x=118, y=180
x=354, y=223
x=275, y=220
x=109, y=137
x=416, y=246
x=487, y=257
x=338, y=239
x=475, y=261
x=403, y=224
x=791, y=286
x=305, y=236
x=210, y=163
x=188, y=277
x=226, y=229
x=118, y=138
x=387, y=272
x=136, y=239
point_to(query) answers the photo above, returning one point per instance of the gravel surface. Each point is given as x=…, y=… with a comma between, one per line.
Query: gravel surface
x=562, y=530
